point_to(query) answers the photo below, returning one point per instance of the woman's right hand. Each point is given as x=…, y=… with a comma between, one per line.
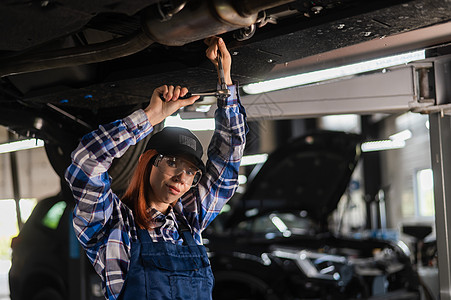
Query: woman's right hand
x=214, y=44
x=158, y=110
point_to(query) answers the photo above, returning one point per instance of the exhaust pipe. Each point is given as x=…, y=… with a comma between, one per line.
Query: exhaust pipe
x=75, y=56
x=201, y=19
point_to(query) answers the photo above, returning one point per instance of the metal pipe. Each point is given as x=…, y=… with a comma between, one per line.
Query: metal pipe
x=250, y=7
x=198, y=20
x=15, y=181
x=382, y=209
x=202, y=19
x=75, y=56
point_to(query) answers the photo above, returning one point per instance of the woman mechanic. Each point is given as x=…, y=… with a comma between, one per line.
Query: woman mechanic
x=148, y=244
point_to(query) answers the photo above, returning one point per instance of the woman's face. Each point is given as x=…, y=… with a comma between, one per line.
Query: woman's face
x=165, y=188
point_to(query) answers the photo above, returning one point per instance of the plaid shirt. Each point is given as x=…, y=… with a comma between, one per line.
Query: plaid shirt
x=105, y=226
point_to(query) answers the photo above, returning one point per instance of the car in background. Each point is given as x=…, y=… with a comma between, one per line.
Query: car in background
x=276, y=242
x=46, y=256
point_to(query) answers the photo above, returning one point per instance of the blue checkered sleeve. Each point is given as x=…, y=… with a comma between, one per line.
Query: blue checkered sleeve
x=217, y=186
x=103, y=225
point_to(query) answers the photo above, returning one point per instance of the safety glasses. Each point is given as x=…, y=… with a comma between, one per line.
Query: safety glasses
x=174, y=166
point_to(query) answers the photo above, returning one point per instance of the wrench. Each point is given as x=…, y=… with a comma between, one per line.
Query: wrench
x=217, y=94
x=222, y=93
x=221, y=72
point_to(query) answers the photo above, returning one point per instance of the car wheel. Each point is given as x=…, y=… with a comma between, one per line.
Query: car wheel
x=47, y=293
x=122, y=168
x=241, y=286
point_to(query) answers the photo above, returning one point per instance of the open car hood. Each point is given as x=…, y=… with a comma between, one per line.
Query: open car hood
x=309, y=173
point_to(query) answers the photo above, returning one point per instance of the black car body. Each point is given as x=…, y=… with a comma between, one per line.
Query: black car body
x=47, y=262
x=276, y=243
x=39, y=252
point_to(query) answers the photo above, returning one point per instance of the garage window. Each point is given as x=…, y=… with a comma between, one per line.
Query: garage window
x=425, y=193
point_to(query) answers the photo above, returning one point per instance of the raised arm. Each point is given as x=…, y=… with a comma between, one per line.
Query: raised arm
x=224, y=152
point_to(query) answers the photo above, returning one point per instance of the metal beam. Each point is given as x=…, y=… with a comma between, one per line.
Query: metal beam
x=440, y=133
x=362, y=94
x=15, y=180
x=440, y=139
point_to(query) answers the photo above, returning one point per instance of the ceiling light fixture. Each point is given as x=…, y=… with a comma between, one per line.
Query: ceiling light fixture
x=242, y=179
x=191, y=124
x=332, y=73
x=21, y=145
x=401, y=136
x=253, y=159
x=382, y=145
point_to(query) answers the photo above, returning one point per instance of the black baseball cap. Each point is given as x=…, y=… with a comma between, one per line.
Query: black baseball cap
x=178, y=141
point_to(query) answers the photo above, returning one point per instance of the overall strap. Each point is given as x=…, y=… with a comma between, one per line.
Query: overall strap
x=185, y=231
x=144, y=236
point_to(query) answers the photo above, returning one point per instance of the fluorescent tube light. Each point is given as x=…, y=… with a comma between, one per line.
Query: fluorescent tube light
x=401, y=136
x=203, y=108
x=191, y=124
x=327, y=74
x=242, y=179
x=280, y=225
x=21, y=145
x=253, y=159
x=382, y=145
x=251, y=212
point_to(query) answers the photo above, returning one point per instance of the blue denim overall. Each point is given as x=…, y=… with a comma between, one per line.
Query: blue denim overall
x=163, y=270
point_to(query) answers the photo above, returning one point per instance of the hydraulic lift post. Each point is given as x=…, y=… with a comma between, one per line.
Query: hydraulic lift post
x=440, y=141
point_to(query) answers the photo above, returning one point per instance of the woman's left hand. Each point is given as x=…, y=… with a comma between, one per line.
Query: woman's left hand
x=214, y=43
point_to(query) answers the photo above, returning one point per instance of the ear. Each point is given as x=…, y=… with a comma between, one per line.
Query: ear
x=140, y=158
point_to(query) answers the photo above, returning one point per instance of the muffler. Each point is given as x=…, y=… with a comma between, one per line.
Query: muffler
x=201, y=19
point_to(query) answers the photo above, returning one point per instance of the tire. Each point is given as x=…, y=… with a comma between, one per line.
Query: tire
x=122, y=169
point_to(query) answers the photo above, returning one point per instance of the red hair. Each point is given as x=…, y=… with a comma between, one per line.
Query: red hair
x=139, y=188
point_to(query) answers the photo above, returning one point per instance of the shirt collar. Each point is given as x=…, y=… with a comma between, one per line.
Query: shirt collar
x=158, y=219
